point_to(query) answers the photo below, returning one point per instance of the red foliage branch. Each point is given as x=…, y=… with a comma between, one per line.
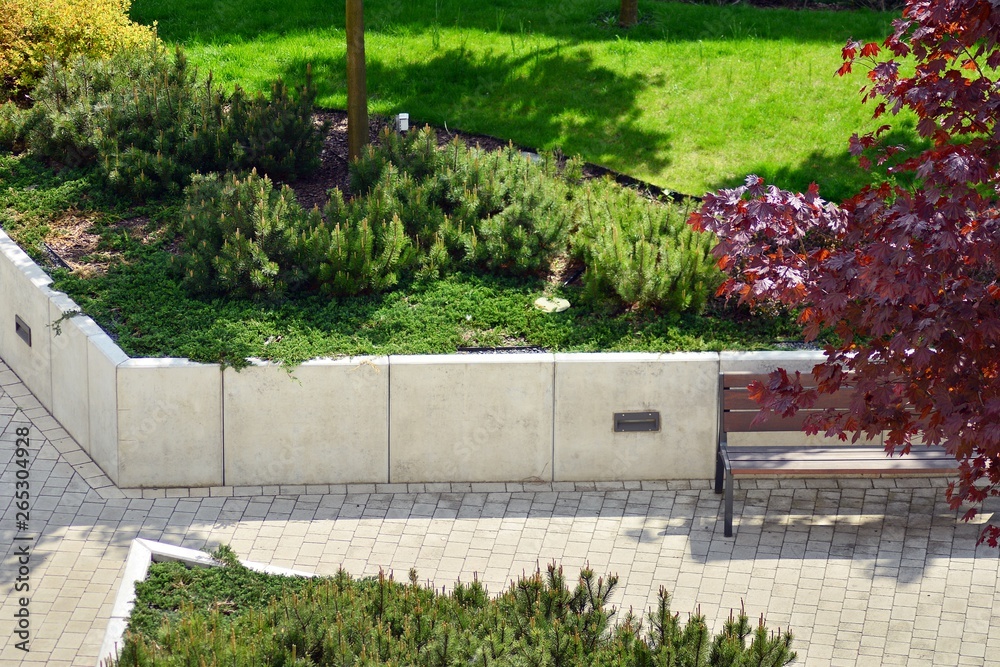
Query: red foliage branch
x=907, y=277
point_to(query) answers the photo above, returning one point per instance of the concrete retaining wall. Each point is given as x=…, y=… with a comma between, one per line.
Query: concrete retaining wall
x=169, y=423
x=429, y=418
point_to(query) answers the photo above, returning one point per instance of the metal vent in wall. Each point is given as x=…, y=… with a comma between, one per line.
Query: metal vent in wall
x=631, y=422
x=22, y=330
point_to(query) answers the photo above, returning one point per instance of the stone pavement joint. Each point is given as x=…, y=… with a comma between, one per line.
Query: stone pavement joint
x=863, y=571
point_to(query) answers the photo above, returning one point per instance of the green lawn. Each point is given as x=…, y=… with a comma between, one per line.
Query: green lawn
x=692, y=99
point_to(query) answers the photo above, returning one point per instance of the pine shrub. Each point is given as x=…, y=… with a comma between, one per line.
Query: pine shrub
x=495, y=211
x=148, y=123
x=61, y=125
x=275, y=136
x=240, y=236
x=35, y=32
x=415, y=153
x=540, y=619
x=246, y=238
x=641, y=254
x=13, y=128
x=349, y=254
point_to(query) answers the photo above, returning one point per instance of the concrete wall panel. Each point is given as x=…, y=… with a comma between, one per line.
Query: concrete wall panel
x=103, y=359
x=24, y=293
x=325, y=422
x=169, y=423
x=70, y=378
x=470, y=418
x=590, y=388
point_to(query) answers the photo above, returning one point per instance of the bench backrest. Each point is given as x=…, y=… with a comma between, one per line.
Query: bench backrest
x=739, y=410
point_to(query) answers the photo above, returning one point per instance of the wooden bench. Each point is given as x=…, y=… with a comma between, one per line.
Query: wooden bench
x=736, y=415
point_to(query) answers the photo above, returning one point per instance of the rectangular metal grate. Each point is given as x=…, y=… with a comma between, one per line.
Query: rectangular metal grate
x=632, y=422
x=22, y=330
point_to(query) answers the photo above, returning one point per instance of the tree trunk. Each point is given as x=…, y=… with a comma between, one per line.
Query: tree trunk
x=357, y=91
x=629, y=14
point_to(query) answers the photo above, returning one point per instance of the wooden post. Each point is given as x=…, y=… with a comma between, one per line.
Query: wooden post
x=357, y=91
x=629, y=14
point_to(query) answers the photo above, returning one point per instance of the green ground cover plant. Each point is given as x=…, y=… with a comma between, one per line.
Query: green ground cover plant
x=693, y=98
x=232, y=615
x=138, y=299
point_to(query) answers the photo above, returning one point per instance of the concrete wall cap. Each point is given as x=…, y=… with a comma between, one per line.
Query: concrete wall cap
x=167, y=362
x=634, y=357
x=347, y=361
x=773, y=355
x=24, y=264
x=436, y=359
x=102, y=343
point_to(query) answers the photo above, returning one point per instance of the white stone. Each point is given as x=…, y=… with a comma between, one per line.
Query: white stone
x=324, y=422
x=551, y=305
x=590, y=388
x=169, y=423
x=470, y=418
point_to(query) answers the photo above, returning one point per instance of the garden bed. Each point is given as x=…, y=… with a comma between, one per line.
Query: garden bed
x=115, y=263
x=424, y=418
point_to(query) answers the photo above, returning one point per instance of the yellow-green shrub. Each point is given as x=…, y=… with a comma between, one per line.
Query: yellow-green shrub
x=34, y=31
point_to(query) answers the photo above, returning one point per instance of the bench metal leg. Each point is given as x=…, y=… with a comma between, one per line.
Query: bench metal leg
x=718, y=472
x=729, y=504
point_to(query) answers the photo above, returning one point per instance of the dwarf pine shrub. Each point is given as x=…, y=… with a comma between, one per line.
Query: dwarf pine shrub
x=245, y=237
x=231, y=615
x=642, y=254
x=157, y=125
x=240, y=236
x=276, y=135
x=61, y=125
x=13, y=128
x=148, y=123
x=351, y=254
x=415, y=154
x=488, y=210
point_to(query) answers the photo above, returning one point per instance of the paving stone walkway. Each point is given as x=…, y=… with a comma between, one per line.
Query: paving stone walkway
x=864, y=572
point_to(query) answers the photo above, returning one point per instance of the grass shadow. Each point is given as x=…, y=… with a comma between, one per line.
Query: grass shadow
x=522, y=97
x=841, y=172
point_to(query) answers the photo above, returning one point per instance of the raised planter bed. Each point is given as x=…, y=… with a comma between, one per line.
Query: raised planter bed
x=396, y=419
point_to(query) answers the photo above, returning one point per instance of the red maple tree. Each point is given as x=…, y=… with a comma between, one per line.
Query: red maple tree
x=907, y=276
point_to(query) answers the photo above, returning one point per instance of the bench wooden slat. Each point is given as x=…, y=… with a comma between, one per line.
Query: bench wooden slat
x=739, y=455
x=875, y=452
x=743, y=422
x=741, y=380
x=734, y=399
x=746, y=460
x=850, y=467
